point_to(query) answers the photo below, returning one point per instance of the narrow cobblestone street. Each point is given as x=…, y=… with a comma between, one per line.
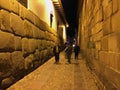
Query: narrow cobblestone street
x=62, y=76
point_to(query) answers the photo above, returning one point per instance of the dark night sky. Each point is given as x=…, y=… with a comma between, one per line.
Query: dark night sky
x=70, y=9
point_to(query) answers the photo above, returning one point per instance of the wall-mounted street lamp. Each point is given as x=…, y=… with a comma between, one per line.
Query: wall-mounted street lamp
x=51, y=18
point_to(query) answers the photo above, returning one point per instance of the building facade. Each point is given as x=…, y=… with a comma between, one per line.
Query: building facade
x=99, y=37
x=26, y=37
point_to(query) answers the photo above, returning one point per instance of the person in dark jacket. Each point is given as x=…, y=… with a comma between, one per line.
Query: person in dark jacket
x=69, y=53
x=76, y=51
x=56, y=51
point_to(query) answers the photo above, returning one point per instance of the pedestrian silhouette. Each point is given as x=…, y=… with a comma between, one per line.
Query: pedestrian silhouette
x=56, y=51
x=76, y=51
x=69, y=53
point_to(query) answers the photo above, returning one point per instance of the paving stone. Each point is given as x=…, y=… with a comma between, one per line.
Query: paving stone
x=61, y=76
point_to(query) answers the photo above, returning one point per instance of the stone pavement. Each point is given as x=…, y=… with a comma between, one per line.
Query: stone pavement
x=62, y=76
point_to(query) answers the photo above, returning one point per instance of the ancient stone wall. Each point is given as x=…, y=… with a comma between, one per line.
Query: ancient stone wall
x=100, y=39
x=26, y=42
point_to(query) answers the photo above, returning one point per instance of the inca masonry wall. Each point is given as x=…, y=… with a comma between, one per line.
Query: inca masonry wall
x=26, y=42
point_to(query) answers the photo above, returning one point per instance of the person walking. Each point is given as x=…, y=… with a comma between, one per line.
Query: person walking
x=69, y=53
x=76, y=51
x=56, y=51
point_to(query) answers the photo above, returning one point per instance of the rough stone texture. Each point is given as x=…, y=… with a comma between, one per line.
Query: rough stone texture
x=5, y=20
x=32, y=45
x=22, y=11
x=29, y=15
x=26, y=42
x=113, y=42
x=108, y=10
x=5, y=5
x=99, y=15
x=28, y=30
x=36, y=32
x=16, y=24
x=107, y=26
x=17, y=61
x=28, y=62
x=18, y=43
x=25, y=46
x=115, y=22
x=7, y=82
x=14, y=6
x=5, y=62
x=115, y=5
x=61, y=76
x=100, y=39
x=6, y=41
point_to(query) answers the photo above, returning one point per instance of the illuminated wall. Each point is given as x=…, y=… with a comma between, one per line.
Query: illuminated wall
x=43, y=8
x=64, y=34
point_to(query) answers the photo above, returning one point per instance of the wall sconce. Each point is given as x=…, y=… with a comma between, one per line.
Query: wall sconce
x=51, y=18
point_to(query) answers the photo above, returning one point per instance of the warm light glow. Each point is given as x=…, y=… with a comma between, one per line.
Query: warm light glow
x=43, y=8
x=64, y=34
x=67, y=25
x=55, y=0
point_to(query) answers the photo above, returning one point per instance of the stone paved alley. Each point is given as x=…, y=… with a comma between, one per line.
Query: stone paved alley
x=62, y=76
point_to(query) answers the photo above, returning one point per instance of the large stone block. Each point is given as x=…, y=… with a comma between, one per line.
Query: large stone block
x=98, y=27
x=114, y=60
x=44, y=44
x=42, y=25
x=108, y=10
x=118, y=4
x=39, y=43
x=105, y=3
x=41, y=34
x=96, y=7
x=35, y=32
x=115, y=5
x=5, y=4
x=47, y=35
x=115, y=22
x=22, y=11
x=5, y=63
x=28, y=28
x=28, y=62
x=7, y=82
x=98, y=45
x=99, y=15
x=102, y=72
x=104, y=43
x=118, y=61
x=25, y=46
x=107, y=27
x=14, y=6
x=29, y=15
x=6, y=41
x=17, y=24
x=32, y=45
x=37, y=55
x=37, y=21
x=113, y=42
x=5, y=20
x=44, y=55
x=109, y=73
x=18, y=43
x=98, y=36
x=17, y=62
